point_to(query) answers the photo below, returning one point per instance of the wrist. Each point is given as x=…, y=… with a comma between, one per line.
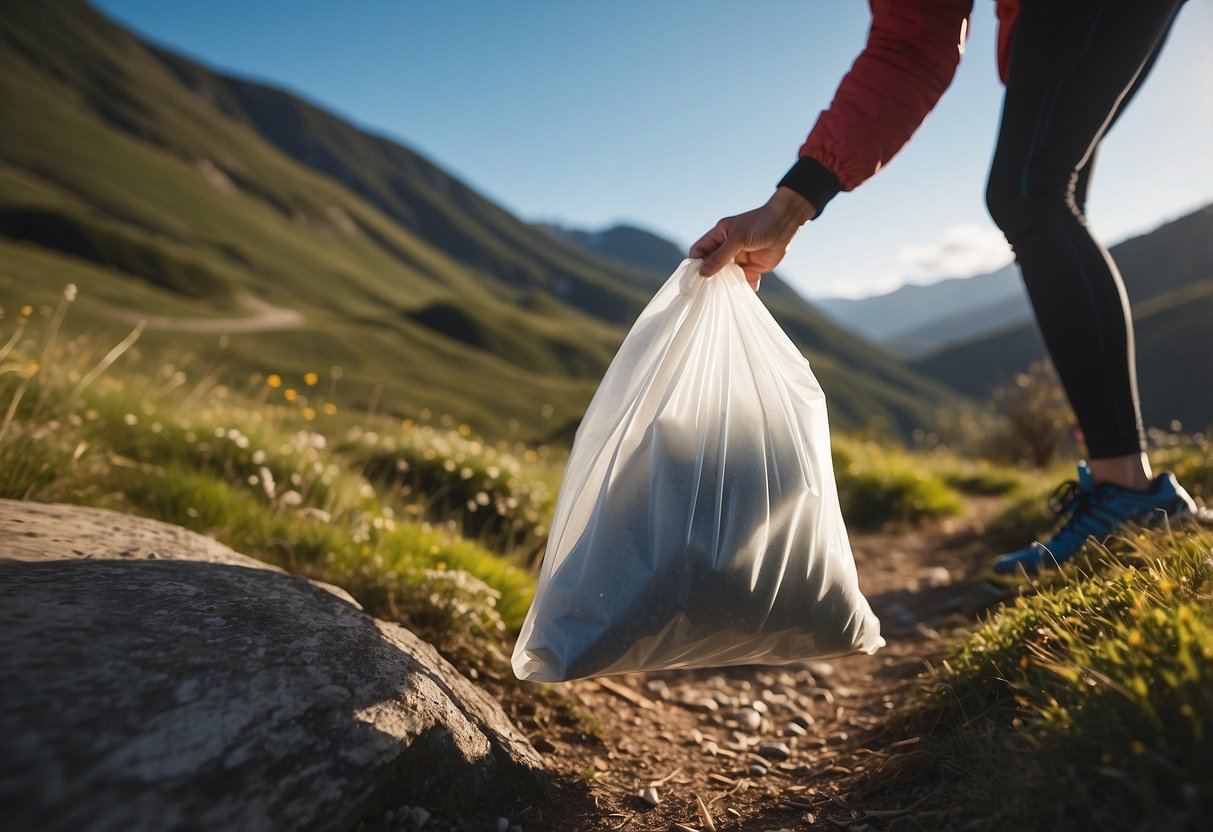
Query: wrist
x=790, y=208
x=813, y=181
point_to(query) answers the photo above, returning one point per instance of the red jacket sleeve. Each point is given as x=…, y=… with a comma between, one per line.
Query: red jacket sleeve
x=911, y=56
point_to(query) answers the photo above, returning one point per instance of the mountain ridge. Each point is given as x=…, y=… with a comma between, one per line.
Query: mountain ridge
x=1168, y=276
x=916, y=320
x=162, y=187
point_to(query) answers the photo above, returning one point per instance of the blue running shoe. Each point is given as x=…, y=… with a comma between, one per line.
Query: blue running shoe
x=1093, y=511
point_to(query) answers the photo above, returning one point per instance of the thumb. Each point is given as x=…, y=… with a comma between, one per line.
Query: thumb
x=721, y=257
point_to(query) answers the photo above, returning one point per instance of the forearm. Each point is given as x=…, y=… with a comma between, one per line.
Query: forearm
x=911, y=56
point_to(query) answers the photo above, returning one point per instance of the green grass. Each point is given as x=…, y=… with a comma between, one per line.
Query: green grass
x=881, y=483
x=278, y=473
x=1086, y=703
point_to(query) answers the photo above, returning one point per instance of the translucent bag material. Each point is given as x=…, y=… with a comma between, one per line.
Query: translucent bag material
x=698, y=522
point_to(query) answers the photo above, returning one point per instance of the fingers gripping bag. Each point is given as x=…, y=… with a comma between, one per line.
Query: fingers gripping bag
x=698, y=522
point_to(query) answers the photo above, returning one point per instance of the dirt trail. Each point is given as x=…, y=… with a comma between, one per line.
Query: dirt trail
x=265, y=317
x=763, y=748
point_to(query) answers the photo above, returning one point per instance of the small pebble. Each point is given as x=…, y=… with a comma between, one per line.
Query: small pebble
x=756, y=770
x=419, y=817
x=936, y=577
x=776, y=751
x=503, y=825
x=650, y=796
x=797, y=729
x=821, y=670
x=660, y=689
x=749, y=719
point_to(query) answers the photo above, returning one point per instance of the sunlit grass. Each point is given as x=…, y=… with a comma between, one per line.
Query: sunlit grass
x=259, y=470
x=879, y=484
x=1086, y=703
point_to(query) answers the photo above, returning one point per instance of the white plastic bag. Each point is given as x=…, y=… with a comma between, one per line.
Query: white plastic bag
x=698, y=522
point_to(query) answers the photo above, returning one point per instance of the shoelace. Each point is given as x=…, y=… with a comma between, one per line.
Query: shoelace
x=1066, y=495
x=1087, y=517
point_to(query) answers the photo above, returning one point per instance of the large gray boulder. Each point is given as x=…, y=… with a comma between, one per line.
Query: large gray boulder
x=152, y=679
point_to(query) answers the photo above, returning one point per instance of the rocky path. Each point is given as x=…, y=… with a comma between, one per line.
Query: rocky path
x=763, y=748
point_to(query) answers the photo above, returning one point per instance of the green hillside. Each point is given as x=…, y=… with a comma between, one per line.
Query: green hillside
x=1174, y=334
x=264, y=235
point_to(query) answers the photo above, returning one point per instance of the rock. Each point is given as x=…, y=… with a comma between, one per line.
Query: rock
x=204, y=689
x=776, y=751
x=935, y=577
x=822, y=670
x=503, y=825
x=658, y=688
x=757, y=770
x=749, y=719
x=650, y=796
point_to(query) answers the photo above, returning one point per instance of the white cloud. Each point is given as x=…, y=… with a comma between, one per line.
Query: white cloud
x=850, y=289
x=965, y=250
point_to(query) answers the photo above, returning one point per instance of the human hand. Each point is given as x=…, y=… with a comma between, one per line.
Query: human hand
x=757, y=240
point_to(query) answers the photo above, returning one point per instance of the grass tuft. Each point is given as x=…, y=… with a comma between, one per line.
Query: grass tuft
x=1087, y=703
x=97, y=426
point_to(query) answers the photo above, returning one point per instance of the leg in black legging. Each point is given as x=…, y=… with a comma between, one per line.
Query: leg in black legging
x=1074, y=66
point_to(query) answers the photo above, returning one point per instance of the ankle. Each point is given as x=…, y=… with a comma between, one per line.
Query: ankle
x=1131, y=471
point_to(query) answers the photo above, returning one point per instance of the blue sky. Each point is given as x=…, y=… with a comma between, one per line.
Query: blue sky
x=670, y=114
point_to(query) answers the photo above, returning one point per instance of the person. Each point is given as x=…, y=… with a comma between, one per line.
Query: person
x=1069, y=70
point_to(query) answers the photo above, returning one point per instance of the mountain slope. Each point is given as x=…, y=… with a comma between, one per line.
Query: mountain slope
x=858, y=376
x=166, y=190
x=959, y=327
x=1174, y=335
x=888, y=317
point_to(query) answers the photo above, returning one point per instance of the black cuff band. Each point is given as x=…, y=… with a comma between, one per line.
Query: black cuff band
x=812, y=180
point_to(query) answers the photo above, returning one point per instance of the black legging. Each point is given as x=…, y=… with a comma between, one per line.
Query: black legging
x=1074, y=66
